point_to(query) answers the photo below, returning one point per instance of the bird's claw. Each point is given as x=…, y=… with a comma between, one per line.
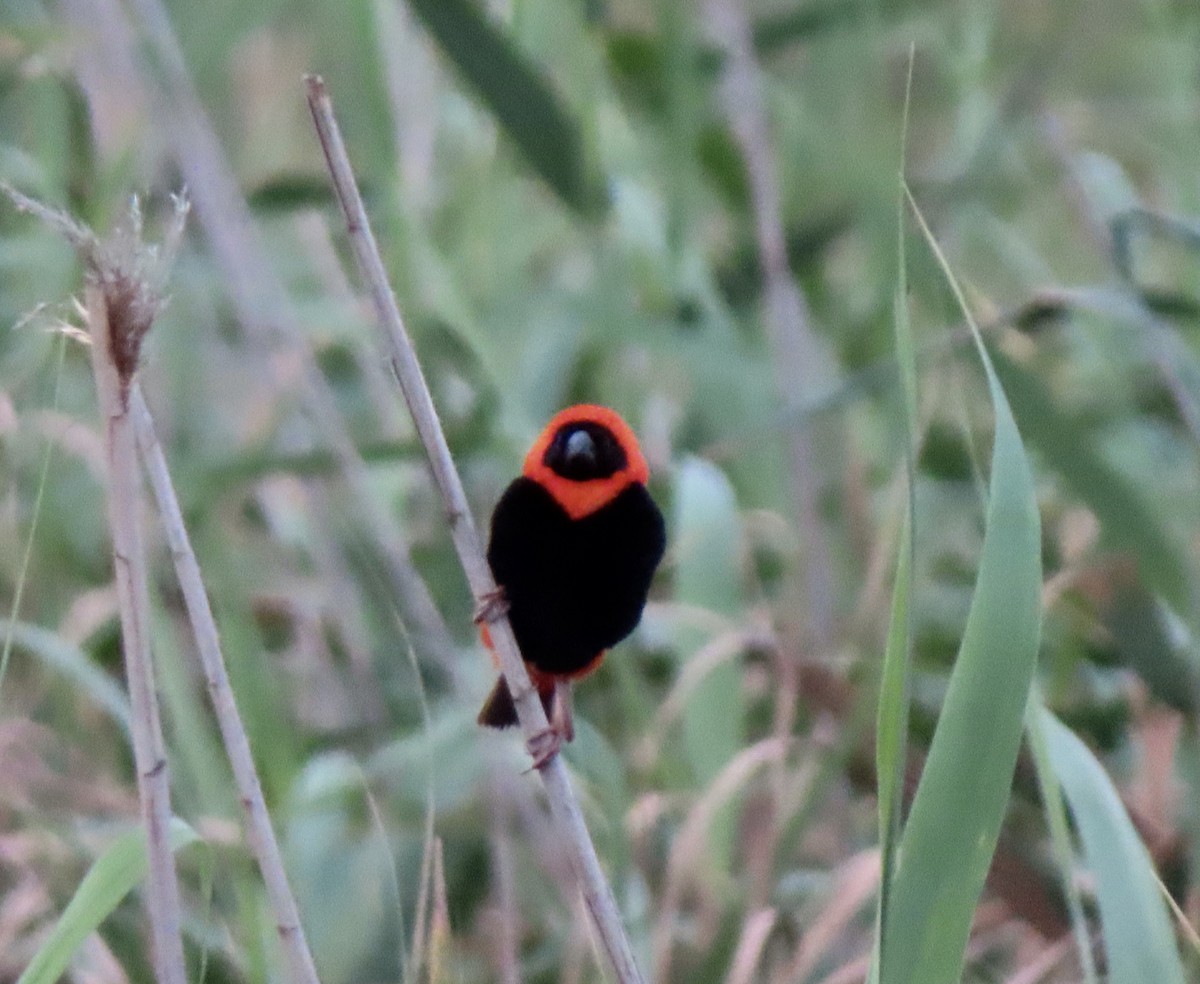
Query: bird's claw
x=544, y=745
x=549, y=741
x=492, y=605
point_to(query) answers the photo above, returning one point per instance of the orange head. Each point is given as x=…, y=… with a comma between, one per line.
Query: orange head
x=585, y=458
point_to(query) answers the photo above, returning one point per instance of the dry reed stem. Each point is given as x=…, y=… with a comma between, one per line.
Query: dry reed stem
x=856, y=881
x=121, y=301
x=505, y=956
x=258, y=295
x=691, y=841
x=260, y=835
x=796, y=351
x=755, y=930
x=129, y=564
x=564, y=805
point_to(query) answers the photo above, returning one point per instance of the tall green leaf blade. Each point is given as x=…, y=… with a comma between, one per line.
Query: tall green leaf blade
x=67, y=659
x=948, y=841
x=520, y=97
x=709, y=577
x=1060, y=833
x=107, y=882
x=892, y=723
x=1138, y=938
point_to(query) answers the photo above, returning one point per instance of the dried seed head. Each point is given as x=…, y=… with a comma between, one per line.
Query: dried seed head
x=129, y=273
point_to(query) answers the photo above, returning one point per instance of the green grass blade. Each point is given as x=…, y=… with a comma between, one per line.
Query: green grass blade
x=27, y=554
x=1138, y=938
x=1060, y=833
x=892, y=732
x=709, y=576
x=73, y=663
x=950, y=836
x=520, y=97
x=891, y=736
x=107, y=882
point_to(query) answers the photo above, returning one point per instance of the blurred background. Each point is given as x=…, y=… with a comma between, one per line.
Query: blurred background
x=687, y=212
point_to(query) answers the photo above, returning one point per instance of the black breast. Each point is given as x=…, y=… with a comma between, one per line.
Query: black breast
x=575, y=587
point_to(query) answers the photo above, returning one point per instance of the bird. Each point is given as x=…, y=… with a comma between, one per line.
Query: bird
x=575, y=541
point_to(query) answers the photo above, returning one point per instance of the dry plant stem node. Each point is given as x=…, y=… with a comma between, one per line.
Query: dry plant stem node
x=564, y=805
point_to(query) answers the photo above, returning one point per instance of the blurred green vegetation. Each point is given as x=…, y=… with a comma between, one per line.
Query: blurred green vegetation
x=567, y=214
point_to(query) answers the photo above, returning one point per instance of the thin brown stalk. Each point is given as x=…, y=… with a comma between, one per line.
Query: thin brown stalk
x=855, y=883
x=116, y=320
x=258, y=295
x=564, y=805
x=796, y=351
x=439, y=929
x=755, y=930
x=260, y=835
x=690, y=843
x=507, y=964
x=121, y=301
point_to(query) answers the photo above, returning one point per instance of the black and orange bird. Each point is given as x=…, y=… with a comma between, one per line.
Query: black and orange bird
x=574, y=545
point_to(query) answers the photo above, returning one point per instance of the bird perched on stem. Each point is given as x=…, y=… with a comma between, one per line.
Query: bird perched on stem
x=574, y=545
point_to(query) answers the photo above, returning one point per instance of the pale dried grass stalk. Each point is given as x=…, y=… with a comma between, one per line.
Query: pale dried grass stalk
x=564, y=805
x=691, y=842
x=121, y=300
x=755, y=930
x=505, y=952
x=260, y=835
x=259, y=297
x=796, y=350
x=855, y=883
x=123, y=295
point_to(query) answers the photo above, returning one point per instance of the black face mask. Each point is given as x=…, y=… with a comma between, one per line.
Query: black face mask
x=584, y=451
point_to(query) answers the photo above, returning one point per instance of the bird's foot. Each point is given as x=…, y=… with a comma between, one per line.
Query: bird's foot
x=562, y=715
x=544, y=746
x=492, y=605
x=547, y=743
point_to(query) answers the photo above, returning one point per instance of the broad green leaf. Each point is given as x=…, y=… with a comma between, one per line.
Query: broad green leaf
x=1138, y=939
x=948, y=841
x=521, y=98
x=72, y=662
x=709, y=576
x=108, y=881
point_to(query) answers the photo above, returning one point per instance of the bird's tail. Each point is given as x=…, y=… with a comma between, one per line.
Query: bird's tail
x=498, y=710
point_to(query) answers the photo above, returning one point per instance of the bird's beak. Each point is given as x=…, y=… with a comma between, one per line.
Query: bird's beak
x=580, y=447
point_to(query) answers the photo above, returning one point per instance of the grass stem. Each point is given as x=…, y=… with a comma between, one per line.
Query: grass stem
x=260, y=835
x=133, y=596
x=564, y=805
